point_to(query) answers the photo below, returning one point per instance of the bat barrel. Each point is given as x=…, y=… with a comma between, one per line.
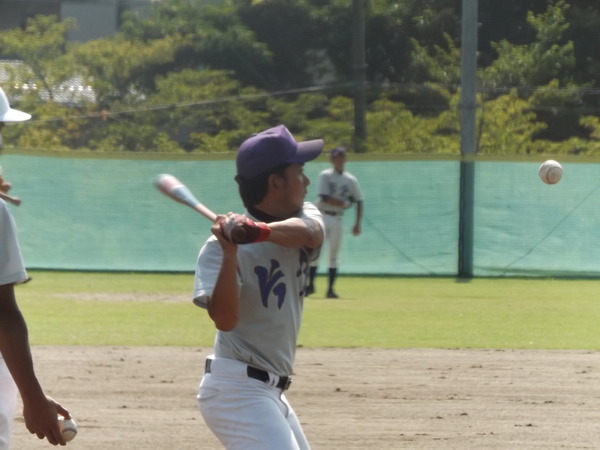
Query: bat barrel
x=165, y=182
x=176, y=190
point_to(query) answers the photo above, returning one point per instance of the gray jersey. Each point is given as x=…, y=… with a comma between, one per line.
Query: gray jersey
x=271, y=280
x=340, y=186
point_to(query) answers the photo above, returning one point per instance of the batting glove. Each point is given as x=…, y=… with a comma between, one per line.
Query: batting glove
x=241, y=230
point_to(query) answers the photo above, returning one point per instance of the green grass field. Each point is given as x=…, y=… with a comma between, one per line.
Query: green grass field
x=64, y=308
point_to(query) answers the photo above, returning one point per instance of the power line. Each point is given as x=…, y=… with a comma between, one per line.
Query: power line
x=348, y=86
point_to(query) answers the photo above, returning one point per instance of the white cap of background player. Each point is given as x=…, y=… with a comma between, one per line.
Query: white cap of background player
x=8, y=114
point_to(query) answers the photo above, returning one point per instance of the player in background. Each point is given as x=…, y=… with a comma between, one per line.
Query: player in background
x=338, y=190
x=16, y=364
x=254, y=294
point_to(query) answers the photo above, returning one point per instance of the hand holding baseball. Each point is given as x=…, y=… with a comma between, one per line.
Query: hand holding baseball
x=41, y=414
x=68, y=428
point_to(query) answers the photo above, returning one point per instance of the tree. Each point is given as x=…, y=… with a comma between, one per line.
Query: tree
x=507, y=125
x=207, y=36
x=122, y=71
x=536, y=63
x=44, y=75
x=42, y=49
x=547, y=62
x=199, y=76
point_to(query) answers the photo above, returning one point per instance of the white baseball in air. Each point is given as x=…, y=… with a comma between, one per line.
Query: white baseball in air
x=550, y=172
x=68, y=428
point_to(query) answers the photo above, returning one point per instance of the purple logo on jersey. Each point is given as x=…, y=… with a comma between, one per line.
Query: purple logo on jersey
x=331, y=188
x=339, y=191
x=267, y=280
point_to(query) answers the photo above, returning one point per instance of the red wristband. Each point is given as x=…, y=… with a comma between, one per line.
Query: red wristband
x=264, y=230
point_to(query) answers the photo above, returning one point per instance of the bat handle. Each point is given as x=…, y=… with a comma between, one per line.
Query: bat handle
x=205, y=212
x=237, y=234
x=234, y=232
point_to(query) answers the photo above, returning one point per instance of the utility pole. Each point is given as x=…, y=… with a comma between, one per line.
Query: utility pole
x=468, y=144
x=359, y=78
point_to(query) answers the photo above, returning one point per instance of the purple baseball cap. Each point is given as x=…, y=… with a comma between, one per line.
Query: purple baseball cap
x=271, y=148
x=337, y=151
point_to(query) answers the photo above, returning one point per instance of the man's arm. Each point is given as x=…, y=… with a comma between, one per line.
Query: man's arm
x=358, y=198
x=9, y=198
x=296, y=232
x=40, y=412
x=224, y=303
x=359, y=214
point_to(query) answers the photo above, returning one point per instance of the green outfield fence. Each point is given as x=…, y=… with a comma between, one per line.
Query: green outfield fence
x=103, y=214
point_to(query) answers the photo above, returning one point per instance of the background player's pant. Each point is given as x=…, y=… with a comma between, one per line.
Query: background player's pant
x=334, y=226
x=8, y=403
x=247, y=414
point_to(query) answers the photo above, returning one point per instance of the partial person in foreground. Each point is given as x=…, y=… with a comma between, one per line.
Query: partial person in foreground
x=254, y=290
x=338, y=190
x=17, y=374
x=8, y=114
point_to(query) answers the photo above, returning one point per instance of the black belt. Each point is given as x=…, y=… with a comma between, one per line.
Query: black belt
x=332, y=213
x=258, y=374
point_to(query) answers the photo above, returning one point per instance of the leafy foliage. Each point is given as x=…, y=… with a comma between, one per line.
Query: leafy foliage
x=192, y=76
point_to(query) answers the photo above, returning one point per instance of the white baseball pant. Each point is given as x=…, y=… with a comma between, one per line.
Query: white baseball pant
x=8, y=404
x=334, y=226
x=247, y=414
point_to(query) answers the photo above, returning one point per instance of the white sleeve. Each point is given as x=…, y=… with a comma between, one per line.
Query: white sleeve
x=310, y=211
x=208, y=266
x=12, y=269
x=357, y=194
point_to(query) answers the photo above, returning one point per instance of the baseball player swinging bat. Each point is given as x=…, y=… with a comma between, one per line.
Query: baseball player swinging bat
x=239, y=232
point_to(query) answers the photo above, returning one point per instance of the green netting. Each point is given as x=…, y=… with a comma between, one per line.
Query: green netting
x=527, y=228
x=104, y=214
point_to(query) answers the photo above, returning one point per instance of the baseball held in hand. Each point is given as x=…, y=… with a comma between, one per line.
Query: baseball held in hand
x=550, y=172
x=68, y=428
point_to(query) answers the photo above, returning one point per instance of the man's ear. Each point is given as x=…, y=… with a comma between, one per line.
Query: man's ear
x=276, y=181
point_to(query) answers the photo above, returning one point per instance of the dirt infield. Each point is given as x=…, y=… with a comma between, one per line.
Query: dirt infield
x=144, y=398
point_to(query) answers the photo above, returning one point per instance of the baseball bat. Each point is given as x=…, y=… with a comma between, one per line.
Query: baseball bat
x=176, y=190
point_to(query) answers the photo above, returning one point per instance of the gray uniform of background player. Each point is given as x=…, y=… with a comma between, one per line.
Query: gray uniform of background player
x=338, y=190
